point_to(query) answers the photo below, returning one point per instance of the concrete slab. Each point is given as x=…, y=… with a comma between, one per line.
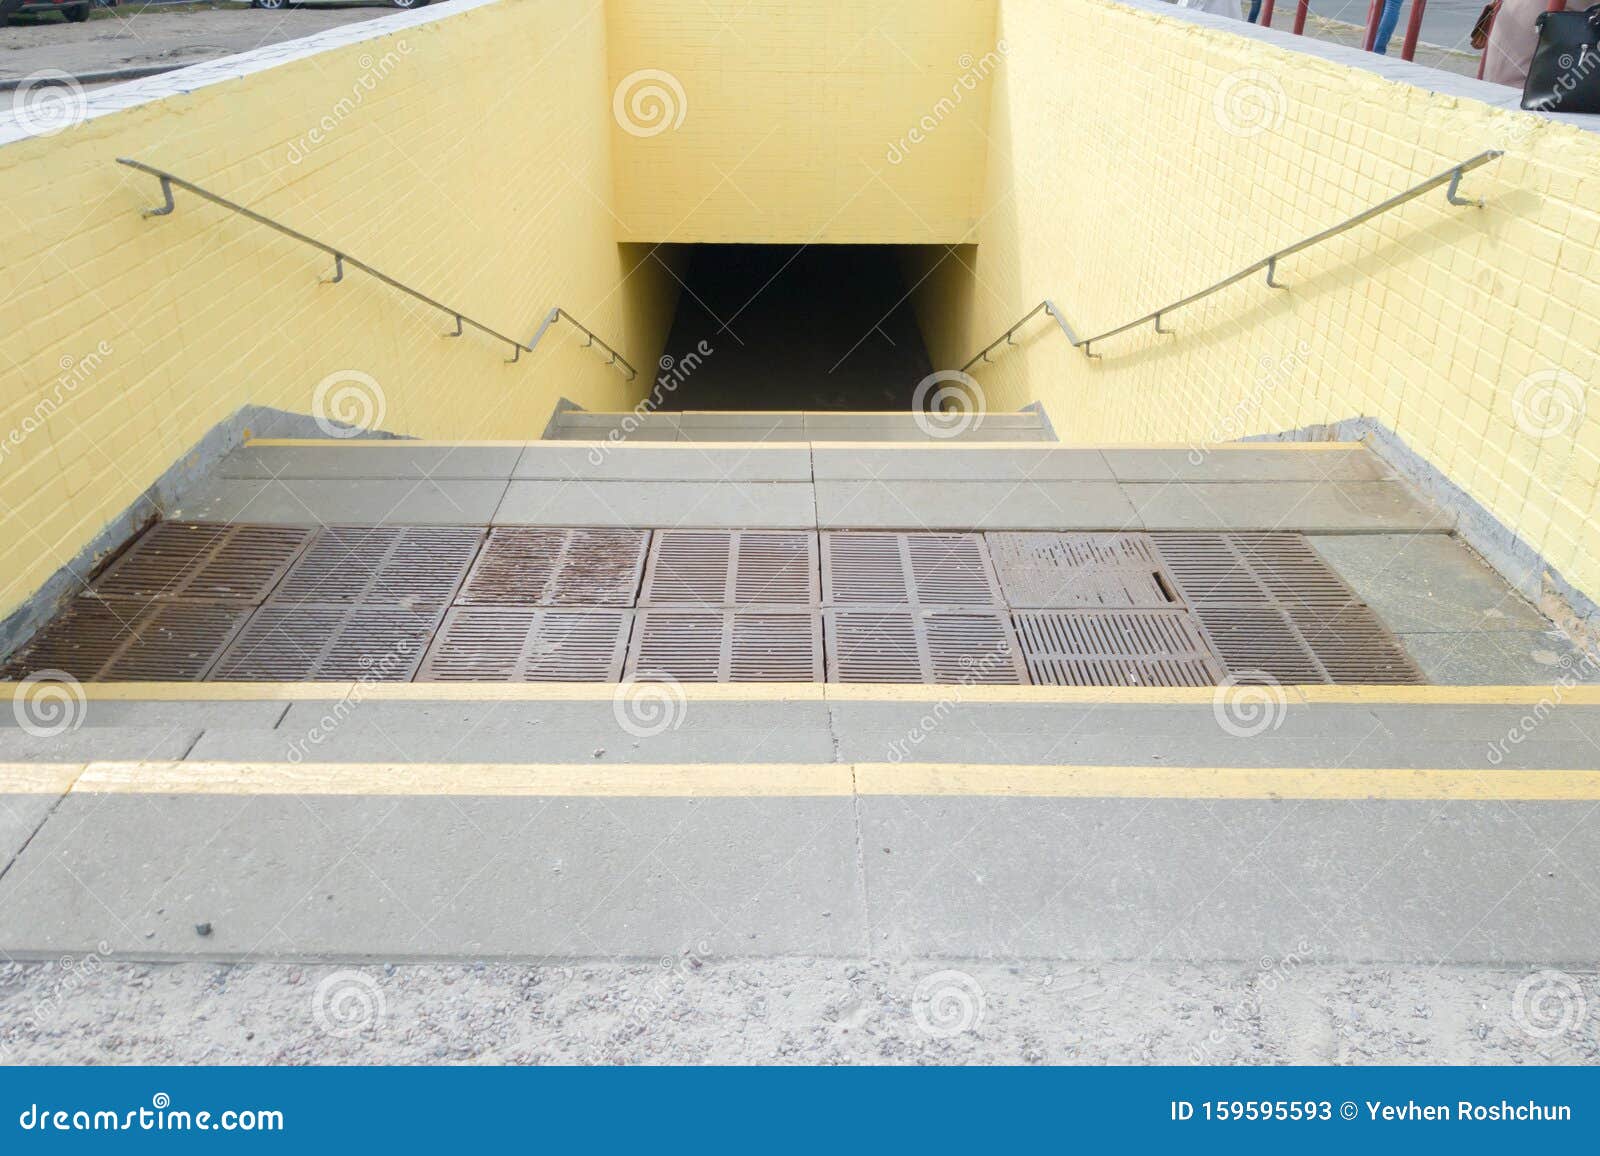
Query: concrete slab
x=371, y=459
x=1240, y=464
x=769, y=505
x=185, y=716
x=624, y=462
x=20, y=816
x=820, y=422
x=101, y=742
x=667, y=433
x=1427, y=582
x=397, y=878
x=1311, y=507
x=974, y=463
x=325, y=501
x=742, y=433
x=1510, y=657
x=1239, y=880
x=913, y=434
x=959, y=505
x=709, y=419
x=578, y=419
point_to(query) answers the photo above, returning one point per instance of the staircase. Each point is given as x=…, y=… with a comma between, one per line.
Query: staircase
x=798, y=426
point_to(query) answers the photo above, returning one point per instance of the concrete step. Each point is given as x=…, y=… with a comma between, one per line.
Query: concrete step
x=796, y=425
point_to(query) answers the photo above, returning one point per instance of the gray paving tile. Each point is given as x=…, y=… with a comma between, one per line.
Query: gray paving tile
x=706, y=419
x=602, y=433
x=821, y=422
x=185, y=716
x=1496, y=657
x=763, y=434
x=1312, y=507
x=625, y=462
x=325, y=501
x=1427, y=582
x=1232, y=463
x=769, y=505
x=20, y=817
x=99, y=742
x=913, y=434
x=966, y=463
x=958, y=505
x=371, y=460
x=577, y=419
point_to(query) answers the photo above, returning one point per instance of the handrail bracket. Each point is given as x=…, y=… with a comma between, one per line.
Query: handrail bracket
x=165, y=209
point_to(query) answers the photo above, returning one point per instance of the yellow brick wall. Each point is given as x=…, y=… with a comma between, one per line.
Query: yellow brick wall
x=1120, y=180
x=475, y=165
x=801, y=121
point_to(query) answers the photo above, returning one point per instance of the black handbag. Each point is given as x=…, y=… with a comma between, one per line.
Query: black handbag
x=1564, y=75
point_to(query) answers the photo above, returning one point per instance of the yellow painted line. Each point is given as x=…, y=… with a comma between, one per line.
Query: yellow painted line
x=38, y=778
x=384, y=443
x=827, y=780
x=1081, y=695
x=819, y=443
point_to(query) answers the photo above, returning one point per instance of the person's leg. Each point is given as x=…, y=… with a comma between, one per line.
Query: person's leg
x=1386, y=25
x=1255, y=10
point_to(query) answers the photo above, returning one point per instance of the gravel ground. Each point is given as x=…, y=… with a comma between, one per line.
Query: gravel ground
x=688, y=1010
x=136, y=37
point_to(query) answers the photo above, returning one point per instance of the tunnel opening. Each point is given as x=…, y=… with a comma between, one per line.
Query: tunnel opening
x=791, y=327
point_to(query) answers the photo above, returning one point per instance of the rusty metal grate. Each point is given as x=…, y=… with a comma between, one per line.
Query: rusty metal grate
x=382, y=565
x=131, y=639
x=534, y=566
x=1116, y=648
x=528, y=644
x=1271, y=607
x=1049, y=570
x=312, y=641
x=883, y=569
x=749, y=644
x=204, y=560
x=955, y=645
x=731, y=568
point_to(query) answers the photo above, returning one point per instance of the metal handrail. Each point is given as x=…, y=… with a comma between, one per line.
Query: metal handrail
x=1451, y=177
x=341, y=259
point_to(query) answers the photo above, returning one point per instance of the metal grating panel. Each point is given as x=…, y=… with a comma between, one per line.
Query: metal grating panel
x=1353, y=645
x=1115, y=648
x=382, y=565
x=1255, y=641
x=871, y=568
x=728, y=568
x=533, y=566
x=528, y=644
x=955, y=646
x=750, y=644
x=312, y=641
x=204, y=560
x=1047, y=570
x=112, y=639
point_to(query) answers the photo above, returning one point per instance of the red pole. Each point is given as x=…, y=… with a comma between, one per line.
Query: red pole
x=1300, y=9
x=1374, y=11
x=1266, y=14
x=1408, y=51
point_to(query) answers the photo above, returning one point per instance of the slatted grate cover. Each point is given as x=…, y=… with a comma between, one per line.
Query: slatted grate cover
x=204, y=560
x=950, y=646
x=528, y=644
x=534, y=566
x=750, y=644
x=1115, y=648
x=731, y=568
x=1049, y=570
x=1271, y=606
x=131, y=639
x=382, y=565
x=312, y=641
x=885, y=569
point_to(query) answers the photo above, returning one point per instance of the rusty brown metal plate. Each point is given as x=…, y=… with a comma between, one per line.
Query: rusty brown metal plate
x=528, y=644
x=948, y=645
x=732, y=568
x=747, y=644
x=861, y=568
x=131, y=639
x=330, y=641
x=210, y=560
x=537, y=566
x=419, y=566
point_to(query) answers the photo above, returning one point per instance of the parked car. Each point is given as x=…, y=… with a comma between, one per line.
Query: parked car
x=76, y=11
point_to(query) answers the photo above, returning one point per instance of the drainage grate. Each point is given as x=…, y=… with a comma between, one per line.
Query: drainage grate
x=1272, y=607
x=382, y=565
x=310, y=641
x=545, y=567
x=728, y=568
x=882, y=644
x=1115, y=648
x=204, y=560
x=528, y=644
x=900, y=569
x=1070, y=570
x=750, y=644
x=131, y=639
